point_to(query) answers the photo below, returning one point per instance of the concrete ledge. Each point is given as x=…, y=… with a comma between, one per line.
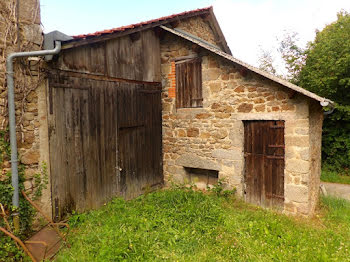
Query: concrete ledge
x=194, y=161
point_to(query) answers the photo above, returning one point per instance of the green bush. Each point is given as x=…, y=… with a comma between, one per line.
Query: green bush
x=327, y=73
x=327, y=66
x=334, y=176
x=336, y=141
x=8, y=250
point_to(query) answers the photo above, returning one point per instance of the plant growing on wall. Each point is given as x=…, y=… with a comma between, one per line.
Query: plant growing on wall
x=27, y=74
x=8, y=249
x=40, y=181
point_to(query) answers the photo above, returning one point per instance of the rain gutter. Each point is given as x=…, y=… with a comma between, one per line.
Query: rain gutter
x=12, y=119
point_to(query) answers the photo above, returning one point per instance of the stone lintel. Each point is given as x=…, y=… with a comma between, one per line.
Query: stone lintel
x=194, y=161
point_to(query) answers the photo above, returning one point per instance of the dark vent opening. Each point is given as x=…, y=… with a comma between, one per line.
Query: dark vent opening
x=202, y=178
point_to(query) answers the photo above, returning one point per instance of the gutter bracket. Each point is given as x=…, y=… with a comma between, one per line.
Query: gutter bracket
x=326, y=103
x=49, y=41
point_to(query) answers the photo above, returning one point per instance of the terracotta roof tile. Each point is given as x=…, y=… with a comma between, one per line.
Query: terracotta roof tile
x=123, y=28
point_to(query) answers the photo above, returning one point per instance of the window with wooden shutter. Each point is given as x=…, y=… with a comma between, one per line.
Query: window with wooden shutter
x=189, y=83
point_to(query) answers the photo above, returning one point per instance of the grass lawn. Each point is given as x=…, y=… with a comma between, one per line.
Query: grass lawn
x=334, y=177
x=184, y=225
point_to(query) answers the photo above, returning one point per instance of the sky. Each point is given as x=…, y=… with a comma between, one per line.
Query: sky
x=248, y=25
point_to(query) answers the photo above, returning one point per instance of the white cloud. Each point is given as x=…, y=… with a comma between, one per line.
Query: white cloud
x=250, y=24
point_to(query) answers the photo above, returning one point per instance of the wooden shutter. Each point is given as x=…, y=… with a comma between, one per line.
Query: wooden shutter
x=189, y=83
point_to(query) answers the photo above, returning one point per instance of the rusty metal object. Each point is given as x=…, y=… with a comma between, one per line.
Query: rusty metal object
x=38, y=242
x=54, y=225
x=44, y=244
x=50, y=233
x=6, y=221
x=4, y=217
x=19, y=242
x=276, y=146
x=275, y=157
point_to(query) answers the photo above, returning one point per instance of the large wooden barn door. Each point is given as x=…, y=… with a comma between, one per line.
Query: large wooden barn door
x=104, y=139
x=264, y=162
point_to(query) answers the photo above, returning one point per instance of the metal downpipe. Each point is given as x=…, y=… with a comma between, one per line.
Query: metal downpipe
x=12, y=120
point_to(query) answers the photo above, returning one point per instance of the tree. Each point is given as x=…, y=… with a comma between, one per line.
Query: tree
x=292, y=55
x=266, y=62
x=292, y=58
x=323, y=67
x=327, y=73
x=327, y=67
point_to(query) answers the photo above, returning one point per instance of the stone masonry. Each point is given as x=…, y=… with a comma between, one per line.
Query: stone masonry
x=21, y=31
x=198, y=27
x=212, y=137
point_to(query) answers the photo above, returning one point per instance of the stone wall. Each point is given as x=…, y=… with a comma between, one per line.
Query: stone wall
x=315, y=125
x=198, y=27
x=20, y=30
x=212, y=137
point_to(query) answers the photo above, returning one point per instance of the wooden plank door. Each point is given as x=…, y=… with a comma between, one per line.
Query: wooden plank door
x=105, y=141
x=139, y=139
x=82, y=142
x=264, y=162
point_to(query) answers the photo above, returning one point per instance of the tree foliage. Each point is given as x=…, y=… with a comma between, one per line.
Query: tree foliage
x=327, y=73
x=266, y=62
x=323, y=67
x=327, y=67
x=293, y=56
x=336, y=141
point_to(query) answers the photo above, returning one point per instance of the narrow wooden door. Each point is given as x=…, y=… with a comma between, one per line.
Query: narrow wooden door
x=139, y=139
x=264, y=162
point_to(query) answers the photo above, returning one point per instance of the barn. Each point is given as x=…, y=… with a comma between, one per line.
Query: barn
x=134, y=108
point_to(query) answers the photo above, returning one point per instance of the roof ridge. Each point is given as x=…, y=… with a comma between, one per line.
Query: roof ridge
x=123, y=28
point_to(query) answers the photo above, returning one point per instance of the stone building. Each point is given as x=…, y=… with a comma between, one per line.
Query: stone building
x=20, y=30
x=222, y=119
x=206, y=142
x=255, y=132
